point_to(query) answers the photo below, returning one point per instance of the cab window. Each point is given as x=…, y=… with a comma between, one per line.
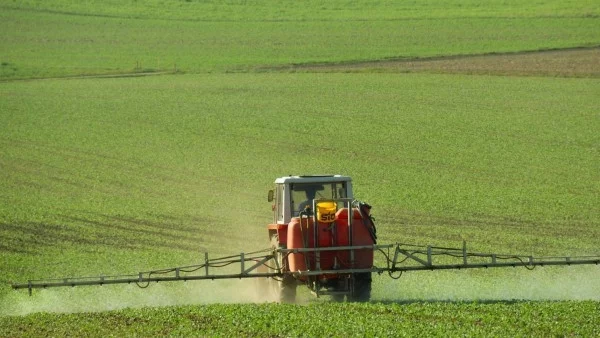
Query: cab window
x=303, y=194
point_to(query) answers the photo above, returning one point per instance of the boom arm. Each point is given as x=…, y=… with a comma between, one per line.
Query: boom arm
x=248, y=267
x=398, y=258
x=410, y=257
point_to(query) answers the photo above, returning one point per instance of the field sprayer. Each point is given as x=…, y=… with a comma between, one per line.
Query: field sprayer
x=323, y=238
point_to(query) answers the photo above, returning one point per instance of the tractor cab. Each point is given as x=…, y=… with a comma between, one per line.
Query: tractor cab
x=292, y=194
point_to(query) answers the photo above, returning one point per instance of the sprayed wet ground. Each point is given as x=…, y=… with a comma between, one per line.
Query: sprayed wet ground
x=570, y=283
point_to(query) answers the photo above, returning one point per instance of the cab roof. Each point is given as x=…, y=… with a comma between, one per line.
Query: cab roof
x=313, y=179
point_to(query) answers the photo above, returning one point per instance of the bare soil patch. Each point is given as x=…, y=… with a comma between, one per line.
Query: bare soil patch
x=575, y=62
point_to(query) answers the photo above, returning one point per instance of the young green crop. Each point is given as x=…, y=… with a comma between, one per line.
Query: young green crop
x=311, y=10
x=44, y=41
x=500, y=319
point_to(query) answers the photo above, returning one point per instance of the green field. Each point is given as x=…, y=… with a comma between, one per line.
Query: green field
x=137, y=135
x=59, y=38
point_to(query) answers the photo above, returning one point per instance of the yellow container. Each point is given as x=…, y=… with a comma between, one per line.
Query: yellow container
x=326, y=211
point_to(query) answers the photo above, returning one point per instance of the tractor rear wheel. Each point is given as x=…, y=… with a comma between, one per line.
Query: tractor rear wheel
x=284, y=287
x=361, y=291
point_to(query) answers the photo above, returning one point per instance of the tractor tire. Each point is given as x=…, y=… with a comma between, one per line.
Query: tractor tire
x=338, y=298
x=362, y=288
x=339, y=286
x=283, y=289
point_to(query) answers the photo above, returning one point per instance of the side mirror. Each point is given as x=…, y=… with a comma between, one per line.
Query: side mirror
x=270, y=196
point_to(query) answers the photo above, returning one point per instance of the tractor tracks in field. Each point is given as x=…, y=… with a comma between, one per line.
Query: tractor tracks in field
x=96, y=76
x=580, y=61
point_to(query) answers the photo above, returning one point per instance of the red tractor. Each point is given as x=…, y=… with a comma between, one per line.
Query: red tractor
x=318, y=241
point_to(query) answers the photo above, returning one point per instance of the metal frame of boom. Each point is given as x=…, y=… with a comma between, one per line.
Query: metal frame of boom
x=399, y=258
x=248, y=268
